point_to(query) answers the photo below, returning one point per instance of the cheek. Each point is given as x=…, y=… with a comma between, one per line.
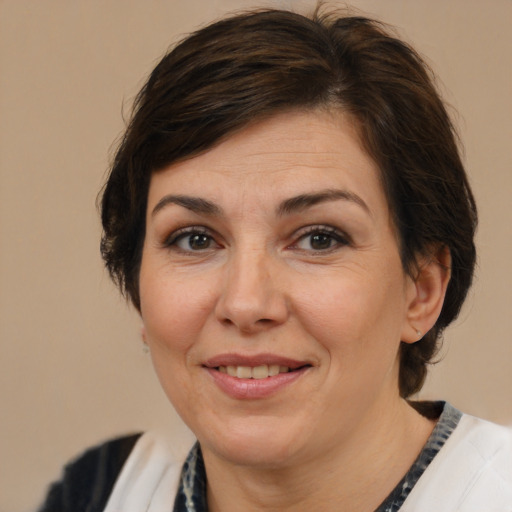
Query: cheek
x=353, y=314
x=174, y=313
x=173, y=310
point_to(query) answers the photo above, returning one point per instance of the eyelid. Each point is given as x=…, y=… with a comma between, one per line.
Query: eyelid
x=171, y=240
x=340, y=236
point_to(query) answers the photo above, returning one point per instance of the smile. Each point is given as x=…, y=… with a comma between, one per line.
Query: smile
x=257, y=372
x=254, y=377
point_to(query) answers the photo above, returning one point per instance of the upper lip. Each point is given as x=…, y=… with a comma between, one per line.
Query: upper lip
x=253, y=360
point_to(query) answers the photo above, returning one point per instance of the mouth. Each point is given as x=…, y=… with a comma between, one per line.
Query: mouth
x=254, y=377
x=263, y=371
x=260, y=366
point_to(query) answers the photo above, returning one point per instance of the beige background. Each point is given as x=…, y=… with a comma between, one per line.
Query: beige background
x=72, y=371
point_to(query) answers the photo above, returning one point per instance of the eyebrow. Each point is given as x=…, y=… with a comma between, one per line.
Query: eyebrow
x=194, y=204
x=287, y=207
x=304, y=201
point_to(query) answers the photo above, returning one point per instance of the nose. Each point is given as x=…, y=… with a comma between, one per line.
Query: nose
x=252, y=297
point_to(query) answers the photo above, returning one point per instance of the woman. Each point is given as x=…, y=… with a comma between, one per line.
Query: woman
x=289, y=214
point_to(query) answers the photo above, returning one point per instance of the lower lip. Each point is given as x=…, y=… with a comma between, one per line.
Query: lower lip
x=250, y=389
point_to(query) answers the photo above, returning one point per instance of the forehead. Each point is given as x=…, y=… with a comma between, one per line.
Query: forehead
x=288, y=154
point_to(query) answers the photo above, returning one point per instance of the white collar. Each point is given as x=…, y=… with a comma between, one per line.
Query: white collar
x=149, y=479
x=471, y=473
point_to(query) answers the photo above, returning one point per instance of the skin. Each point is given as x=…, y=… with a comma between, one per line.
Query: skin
x=246, y=271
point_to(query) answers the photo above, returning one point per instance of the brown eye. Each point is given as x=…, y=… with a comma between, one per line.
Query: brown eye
x=196, y=242
x=191, y=240
x=321, y=239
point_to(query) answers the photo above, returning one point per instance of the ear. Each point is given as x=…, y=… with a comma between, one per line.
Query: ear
x=426, y=293
x=143, y=333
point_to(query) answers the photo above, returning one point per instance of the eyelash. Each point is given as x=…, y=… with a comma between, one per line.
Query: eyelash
x=331, y=235
x=181, y=234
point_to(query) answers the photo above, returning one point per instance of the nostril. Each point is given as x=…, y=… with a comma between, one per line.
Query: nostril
x=251, y=312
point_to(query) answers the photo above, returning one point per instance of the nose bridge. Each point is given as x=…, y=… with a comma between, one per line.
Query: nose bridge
x=251, y=296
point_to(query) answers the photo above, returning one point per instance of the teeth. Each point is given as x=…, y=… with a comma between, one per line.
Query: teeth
x=257, y=372
x=260, y=372
x=243, y=372
x=273, y=369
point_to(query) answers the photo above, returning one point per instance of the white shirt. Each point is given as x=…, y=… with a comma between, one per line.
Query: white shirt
x=472, y=472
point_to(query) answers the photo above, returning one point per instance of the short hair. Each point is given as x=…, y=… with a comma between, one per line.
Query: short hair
x=255, y=65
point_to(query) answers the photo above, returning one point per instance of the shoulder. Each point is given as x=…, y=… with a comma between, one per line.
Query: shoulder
x=472, y=472
x=150, y=475
x=88, y=480
x=488, y=445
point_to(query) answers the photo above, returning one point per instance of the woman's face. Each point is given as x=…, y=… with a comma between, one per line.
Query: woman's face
x=272, y=291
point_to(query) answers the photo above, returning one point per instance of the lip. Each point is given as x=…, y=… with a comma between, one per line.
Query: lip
x=253, y=360
x=253, y=389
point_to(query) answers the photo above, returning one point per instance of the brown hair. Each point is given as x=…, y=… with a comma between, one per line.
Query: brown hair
x=254, y=65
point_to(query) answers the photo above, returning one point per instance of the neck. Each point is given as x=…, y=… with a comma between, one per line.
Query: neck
x=356, y=475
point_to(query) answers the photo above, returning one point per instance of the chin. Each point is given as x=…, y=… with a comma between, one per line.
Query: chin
x=261, y=444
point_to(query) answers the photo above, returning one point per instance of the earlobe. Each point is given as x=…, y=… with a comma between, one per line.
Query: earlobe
x=145, y=346
x=428, y=291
